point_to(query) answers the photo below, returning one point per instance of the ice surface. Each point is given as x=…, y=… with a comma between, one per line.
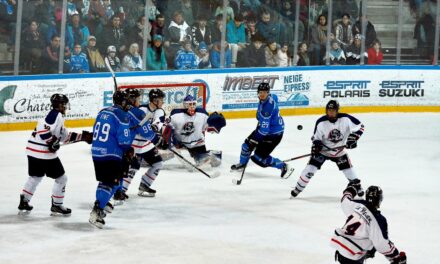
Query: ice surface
x=194, y=219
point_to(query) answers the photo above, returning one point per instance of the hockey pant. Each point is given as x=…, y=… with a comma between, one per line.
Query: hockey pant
x=58, y=189
x=315, y=164
x=262, y=152
x=154, y=159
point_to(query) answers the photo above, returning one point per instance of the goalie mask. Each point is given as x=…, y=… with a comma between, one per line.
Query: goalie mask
x=59, y=102
x=189, y=103
x=216, y=122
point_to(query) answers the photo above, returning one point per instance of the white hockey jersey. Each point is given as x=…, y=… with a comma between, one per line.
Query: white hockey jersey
x=189, y=130
x=52, y=125
x=156, y=118
x=362, y=231
x=335, y=134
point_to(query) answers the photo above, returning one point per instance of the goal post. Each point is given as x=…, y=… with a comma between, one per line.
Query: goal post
x=174, y=93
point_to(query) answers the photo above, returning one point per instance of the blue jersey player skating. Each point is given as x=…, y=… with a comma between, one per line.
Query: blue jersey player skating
x=111, y=144
x=268, y=134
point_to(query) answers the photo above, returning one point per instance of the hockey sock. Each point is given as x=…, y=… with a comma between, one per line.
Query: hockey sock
x=59, y=187
x=350, y=174
x=30, y=186
x=245, y=153
x=127, y=181
x=151, y=174
x=305, y=177
x=104, y=193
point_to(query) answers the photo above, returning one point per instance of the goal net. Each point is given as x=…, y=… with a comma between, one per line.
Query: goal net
x=174, y=93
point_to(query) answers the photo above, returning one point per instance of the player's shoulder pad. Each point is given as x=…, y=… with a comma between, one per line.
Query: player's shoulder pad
x=52, y=117
x=320, y=120
x=137, y=113
x=120, y=114
x=177, y=111
x=352, y=118
x=274, y=97
x=382, y=221
x=201, y=110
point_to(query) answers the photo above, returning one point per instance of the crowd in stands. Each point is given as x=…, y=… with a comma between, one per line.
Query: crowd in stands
x=186, y=34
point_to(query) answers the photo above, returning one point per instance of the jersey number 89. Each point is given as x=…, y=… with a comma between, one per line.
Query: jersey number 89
x=101, y=133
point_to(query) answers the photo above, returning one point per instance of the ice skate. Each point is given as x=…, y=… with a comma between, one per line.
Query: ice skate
x=119, y=198
x=24, y=207
x=146, y=191
x=59, y=210
x=286, y=171
x=108, y=208
x=97, y=216
x=294, y=192
x=238, y=167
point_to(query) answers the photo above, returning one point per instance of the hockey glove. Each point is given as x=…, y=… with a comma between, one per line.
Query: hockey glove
x=54, y=144
x=161, y=143
x=356, y=184
x=352, y=141
x=316, y=147
x=129, y=154
x=351, y=190
x=400, y=259
x=370, y=253
x=87, y=136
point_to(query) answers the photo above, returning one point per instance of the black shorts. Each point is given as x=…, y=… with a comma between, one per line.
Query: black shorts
x=52, y=168
x=108, y=172
x=152, y=156
x=267, y=145
x=343, y=162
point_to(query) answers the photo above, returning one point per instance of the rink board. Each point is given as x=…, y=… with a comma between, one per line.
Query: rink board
x=300, y=90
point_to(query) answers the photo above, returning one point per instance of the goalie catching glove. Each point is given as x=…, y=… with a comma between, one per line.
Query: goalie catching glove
x=215, y=122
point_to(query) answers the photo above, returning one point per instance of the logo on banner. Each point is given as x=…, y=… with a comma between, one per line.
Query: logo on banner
x=296, y=87
x=247, y=83
x=5, y=94
x=347, y=89
x=401, y=89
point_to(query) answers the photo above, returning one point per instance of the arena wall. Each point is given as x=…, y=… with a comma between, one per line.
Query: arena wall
x=301, y=90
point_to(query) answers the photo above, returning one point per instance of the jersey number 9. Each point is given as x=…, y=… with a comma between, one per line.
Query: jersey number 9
x=101, y=133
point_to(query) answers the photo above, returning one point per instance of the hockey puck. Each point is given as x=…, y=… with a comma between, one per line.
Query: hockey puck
x=300, y=127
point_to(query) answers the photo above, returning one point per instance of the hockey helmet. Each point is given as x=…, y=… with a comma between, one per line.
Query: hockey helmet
x=264, y=86
x=57, y=99
x=332, y=104
x=374, y=196
x=155, y=94
x=132, y=95
x=120, y=98
x=189, y=103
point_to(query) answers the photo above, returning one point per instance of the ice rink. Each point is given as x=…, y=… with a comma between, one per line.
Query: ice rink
x=195, y=220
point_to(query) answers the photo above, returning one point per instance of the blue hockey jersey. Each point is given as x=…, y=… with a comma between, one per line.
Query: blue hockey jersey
x=269, y=119
x=111, y=134
x=135, y=117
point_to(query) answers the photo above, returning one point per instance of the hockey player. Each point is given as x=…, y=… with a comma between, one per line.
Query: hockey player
x=333, y=133
x=266, y=136
x=187, y=127
x=42, y=156
x=366, y=229
x=144, y=143
x=111, y=144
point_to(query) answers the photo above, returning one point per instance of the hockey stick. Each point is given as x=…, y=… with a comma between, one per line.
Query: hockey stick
x=238, y=182
x=107, y=64
x=298, y=157
x=214, y=175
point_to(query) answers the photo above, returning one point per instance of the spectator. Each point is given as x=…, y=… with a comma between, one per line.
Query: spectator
x=109, y=13
x=424, y=32
x=77, y=33
x=203, y=56
x=235, y=36
x=343, y=30
x=178, y=31
x=215, y=56
x=136, y=33
x=32, y=46
x=335, y=54
x=185, y=58
x=51, y=56
x=283, y=56
x=78, y=61
x=201, y=32
x=370, y=31
x=375, y=55
x=44, y=14
x=319, y=40
x=218, y=29
x=253, y=55
x=187, y=12
x=229, y=11
x=302, y=58
x=158, y=26
x=114, y=35
x=341, y=7
x=251, y=29
x=270, y=30
x=112, y=60
x=71, y=8
x=288, y=19
x=96, y=17
x=354, y=52
x=152, y=10
x=132, y=61
x=156, y=55
x=271, y=54
x=96, y=61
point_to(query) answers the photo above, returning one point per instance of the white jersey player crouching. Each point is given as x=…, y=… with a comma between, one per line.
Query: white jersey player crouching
x=333, y=133
x=42, y=156
x=187, y=129
x=365, y=230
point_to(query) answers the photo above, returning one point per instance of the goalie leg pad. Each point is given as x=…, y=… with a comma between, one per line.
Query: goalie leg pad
x=216, y=158
x=58, y=190
x=30, y=186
